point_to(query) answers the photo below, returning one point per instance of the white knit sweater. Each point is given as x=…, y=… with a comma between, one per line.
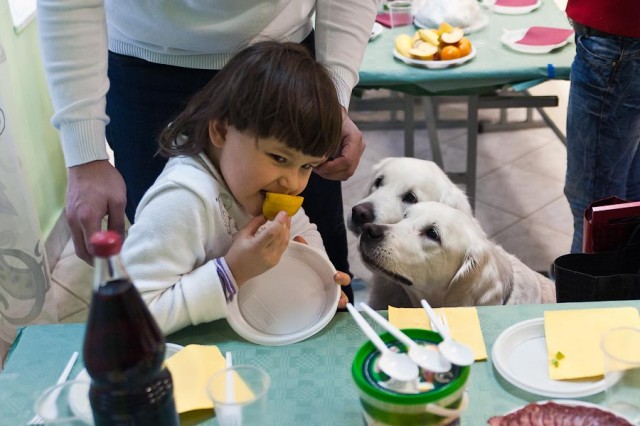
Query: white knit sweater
x=75, y=35
x=184, y=221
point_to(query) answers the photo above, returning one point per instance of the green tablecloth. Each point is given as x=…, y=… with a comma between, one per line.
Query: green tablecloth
x=494, y=66
x=311, y=380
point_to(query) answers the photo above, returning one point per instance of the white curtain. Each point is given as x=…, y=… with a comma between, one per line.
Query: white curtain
x=25, y=296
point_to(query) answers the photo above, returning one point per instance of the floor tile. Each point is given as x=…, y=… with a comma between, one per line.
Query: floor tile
x=74, y=275
x=555, y=215
x=516, y=191
x=67, y=303
x=535, y=245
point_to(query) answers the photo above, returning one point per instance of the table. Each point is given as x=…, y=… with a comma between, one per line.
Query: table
x=494, y=67
x=311, y=380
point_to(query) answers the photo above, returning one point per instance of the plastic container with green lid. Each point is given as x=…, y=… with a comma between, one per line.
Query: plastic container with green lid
x=436, y=398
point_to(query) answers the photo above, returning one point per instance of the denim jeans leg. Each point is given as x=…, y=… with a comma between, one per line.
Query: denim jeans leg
x=603, y=124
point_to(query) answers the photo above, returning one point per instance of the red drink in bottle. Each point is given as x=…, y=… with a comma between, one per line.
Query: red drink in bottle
x=124, y=347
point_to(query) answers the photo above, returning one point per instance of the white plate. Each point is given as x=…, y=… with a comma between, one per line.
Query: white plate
x=480, y=23
x=290, y=302
x=510, y=37
x=520, y=356
x=376, y=30
x=573, y=403
x=436, y=64
x=79, y=397
x=516, y=10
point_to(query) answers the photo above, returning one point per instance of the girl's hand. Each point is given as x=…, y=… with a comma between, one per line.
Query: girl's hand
x=253, y=253
x=342, y=279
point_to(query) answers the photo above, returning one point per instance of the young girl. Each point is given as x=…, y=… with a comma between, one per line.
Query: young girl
x=261, y=125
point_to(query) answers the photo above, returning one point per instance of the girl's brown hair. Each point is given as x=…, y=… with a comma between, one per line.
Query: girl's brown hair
x=268, y=89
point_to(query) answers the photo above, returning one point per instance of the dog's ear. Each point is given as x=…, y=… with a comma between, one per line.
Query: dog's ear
x=471, y=264
x=380, y=164
x=458, y=200
x=477, y=281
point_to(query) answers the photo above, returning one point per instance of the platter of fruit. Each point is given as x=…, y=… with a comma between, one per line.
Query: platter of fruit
x=434, y=48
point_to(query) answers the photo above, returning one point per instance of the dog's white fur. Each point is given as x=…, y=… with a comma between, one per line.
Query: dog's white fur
x=397, y=183
x=441, y=254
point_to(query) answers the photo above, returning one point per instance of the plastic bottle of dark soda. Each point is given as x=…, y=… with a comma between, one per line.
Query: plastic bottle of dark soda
x=124, y=347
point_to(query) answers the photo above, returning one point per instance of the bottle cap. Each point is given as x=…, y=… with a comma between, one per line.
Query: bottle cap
x=106, y=243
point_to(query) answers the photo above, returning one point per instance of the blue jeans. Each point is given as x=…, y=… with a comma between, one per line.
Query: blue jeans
x=144, y=97
x=603, y=125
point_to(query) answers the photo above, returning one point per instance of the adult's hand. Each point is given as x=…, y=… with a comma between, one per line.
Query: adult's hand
x=351, y=148
x=95, y=189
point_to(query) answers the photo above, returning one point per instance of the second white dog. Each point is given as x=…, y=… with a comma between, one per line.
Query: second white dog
x=441, y=254
x=399, y=182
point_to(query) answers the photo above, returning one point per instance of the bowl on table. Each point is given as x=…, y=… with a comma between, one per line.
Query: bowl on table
x=433, y=399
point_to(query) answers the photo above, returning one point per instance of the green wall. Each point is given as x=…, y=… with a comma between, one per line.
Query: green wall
x=28, y=112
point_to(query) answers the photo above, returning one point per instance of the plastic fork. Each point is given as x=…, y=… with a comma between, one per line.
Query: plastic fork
x=38, y=419
x=456, y=352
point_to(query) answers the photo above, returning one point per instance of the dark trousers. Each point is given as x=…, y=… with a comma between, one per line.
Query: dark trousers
x=144, y=97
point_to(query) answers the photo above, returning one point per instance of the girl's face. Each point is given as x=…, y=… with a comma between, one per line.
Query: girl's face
x=251, y=167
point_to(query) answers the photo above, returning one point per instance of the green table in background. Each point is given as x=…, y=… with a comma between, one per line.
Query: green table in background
x=494, y=67
x=311, y=380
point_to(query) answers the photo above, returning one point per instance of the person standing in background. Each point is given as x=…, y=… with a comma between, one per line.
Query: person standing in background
x=603, y=115
x=123, y=69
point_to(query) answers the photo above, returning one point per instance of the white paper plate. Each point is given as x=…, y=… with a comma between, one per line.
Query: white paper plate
x=510, y=37
x=290, y=302
x=520, y=356
x=573, y=403
x=480, y=23
x=79, y=396
x=516, y=10
x=436, y=64
x=376, y=30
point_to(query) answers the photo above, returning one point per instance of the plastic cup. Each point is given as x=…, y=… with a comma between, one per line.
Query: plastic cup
x=239, y=395
x=61, y=405
x=400, y=13
x=621, y=347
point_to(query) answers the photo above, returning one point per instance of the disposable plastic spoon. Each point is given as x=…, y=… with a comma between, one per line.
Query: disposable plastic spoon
x=395, y=365
x=456, y=352
x=429, y=359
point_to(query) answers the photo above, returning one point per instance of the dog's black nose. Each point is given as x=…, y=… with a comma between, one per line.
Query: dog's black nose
x=373, y=232
x=362, y=213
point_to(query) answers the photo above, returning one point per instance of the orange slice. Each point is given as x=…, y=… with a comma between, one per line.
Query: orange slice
x=275, y=202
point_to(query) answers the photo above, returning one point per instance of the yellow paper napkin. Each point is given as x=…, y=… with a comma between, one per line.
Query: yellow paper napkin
x=463, y=323
x=190, y=369
x=576, y=335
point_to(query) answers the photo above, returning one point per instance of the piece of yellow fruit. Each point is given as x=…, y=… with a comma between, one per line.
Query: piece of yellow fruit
x=429, y=35
x=424, y=51
x=453, y=36
x=444, y=28
x=275, y=202
x=403, y=44
x=414, y=38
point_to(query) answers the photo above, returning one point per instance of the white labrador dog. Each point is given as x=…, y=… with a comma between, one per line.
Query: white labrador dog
x=441, y=254
x=399, y=182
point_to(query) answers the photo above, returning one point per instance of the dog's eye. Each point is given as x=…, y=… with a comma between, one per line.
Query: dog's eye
x=431, y=233
x=409, y=198
x=378, y=182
